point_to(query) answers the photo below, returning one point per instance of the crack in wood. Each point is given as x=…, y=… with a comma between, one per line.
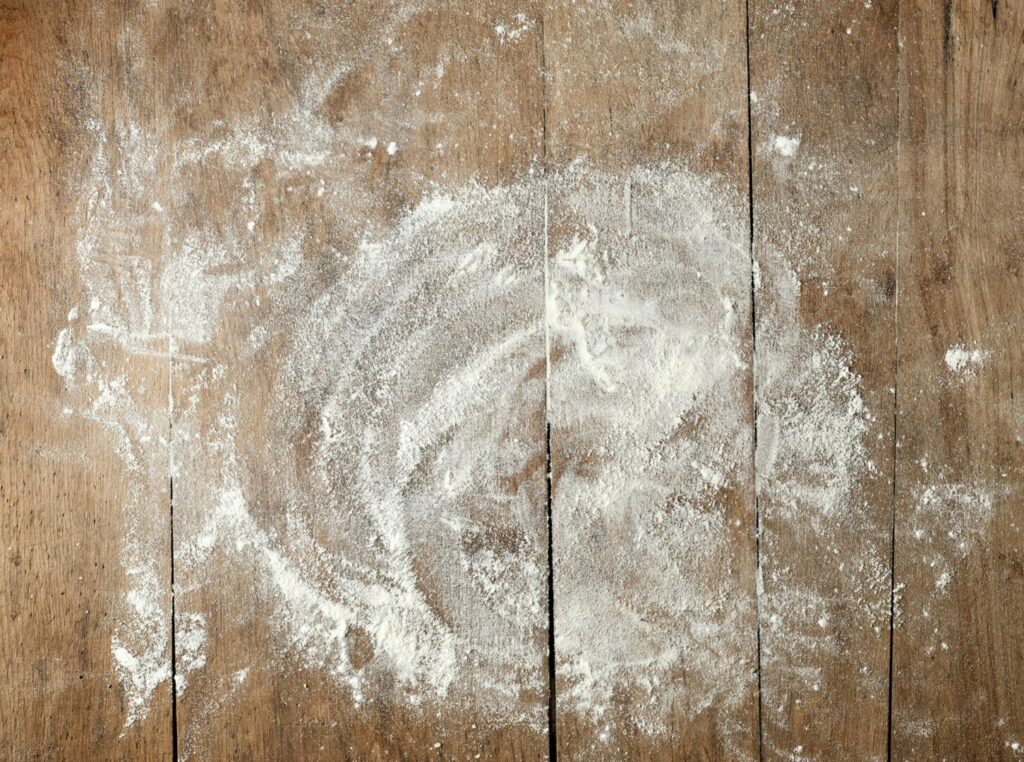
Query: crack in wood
x=895, y=435
x=552, y=674
x=753, y=353
x=174, y=663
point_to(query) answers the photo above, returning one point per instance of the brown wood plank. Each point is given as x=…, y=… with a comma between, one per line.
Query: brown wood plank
x=84, y=505
x=958, y=688
x=824, y=134
x=359, y=379
x=650, y=396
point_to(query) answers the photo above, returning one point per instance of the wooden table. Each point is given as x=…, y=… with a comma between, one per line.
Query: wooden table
x=485, y=380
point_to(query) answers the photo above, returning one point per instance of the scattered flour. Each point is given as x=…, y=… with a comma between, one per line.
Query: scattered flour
x=812, y=462
x=649, y=287
x=386, y=501
x=422, y=455
x=513, y=32
x=964, y=362
x=413, y=547
x=140, y=644
x=786, y=145
x=190, y=645
x=950, y=519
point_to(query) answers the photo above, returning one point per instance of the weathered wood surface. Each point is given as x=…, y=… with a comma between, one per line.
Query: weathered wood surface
x=824, y=135
x=650, y=347
x=342, y=281
x=82, y=527
x=958, y=683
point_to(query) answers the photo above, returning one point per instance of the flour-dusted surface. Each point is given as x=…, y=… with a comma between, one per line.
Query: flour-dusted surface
x=648, y=283
x=824, y=125
x=407, y=547
x=358, y=414
x=320, y=315
x=347, y=505
x=393, y=463
x=958, y=670
x=401, y=463
x=963, y=362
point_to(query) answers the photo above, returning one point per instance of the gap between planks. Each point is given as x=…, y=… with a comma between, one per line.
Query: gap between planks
x=896, y=407
x=753, y=385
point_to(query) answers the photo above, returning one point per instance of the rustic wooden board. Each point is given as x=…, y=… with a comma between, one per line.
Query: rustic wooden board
x=360, y=548
x=84, y=516
x=958, y=689
x=345, y=302
x=824, y=135
x=651, y=424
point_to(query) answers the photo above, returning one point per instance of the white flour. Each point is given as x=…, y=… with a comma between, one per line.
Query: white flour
x=649, y=289
x=785, y=145
x=812, y=464
x=825, y=550
x=949, y=520
x=964, y=362
x=358, y=419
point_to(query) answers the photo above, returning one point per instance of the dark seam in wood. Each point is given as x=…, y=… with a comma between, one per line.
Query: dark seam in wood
x=552, y=736
x=995, y=10
x=170, y=491
x=895, y=408
x=552, y=702
x=892, y=539
x=753, y=386
x=174, y=670
x=544, y=96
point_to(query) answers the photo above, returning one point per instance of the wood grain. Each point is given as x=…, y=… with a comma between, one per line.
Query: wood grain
x=640, y=95
x=824, y=134
x=957, y=685
x=66, y=495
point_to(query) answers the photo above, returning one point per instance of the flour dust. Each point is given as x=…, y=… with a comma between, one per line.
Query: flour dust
x=651, y=437
x=359, y=400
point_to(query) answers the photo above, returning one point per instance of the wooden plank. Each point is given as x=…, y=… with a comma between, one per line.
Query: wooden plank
x=359, y=482
x=824, y=135
x=958, y=689
x=650, y=411
x=85, y=599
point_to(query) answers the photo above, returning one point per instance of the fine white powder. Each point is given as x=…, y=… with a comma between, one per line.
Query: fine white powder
x=786, y=145
x=949, y=521
x=368, y=455
x=648, y=290
x=964, y=362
